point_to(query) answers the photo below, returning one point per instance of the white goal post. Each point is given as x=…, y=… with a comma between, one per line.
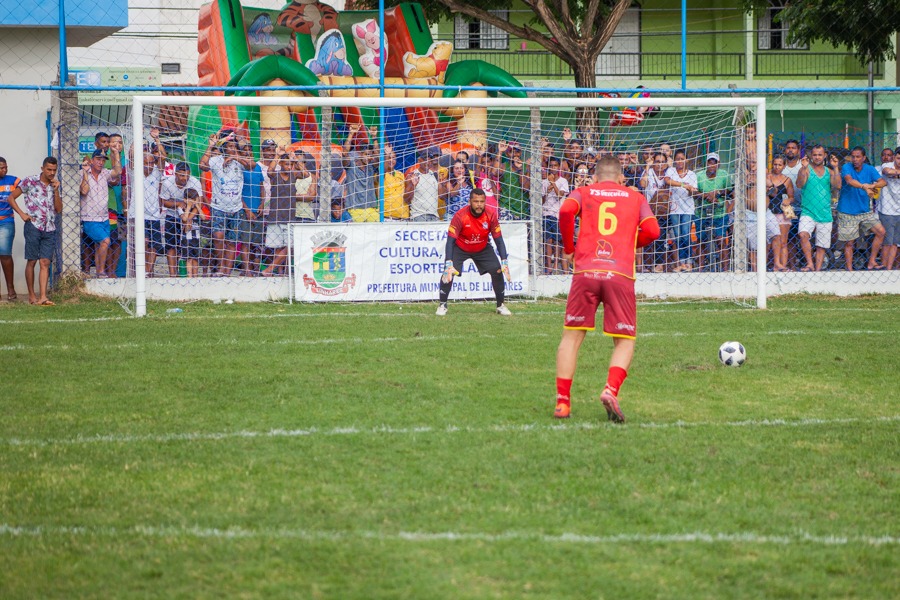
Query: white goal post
x=756, y=105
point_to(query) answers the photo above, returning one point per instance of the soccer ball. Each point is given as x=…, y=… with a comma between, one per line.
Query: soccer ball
x=732, y=354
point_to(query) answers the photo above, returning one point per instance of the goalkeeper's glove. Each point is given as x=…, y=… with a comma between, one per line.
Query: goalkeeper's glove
x=449, y=272
x=504, y=267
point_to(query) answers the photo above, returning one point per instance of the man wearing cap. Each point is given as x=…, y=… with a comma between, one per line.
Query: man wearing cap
x=172, y=197
x=711, y=215
x=95, y=183
x=422, y=187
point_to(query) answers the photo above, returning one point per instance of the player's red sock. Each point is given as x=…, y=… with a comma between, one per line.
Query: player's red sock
x=563, y=389
x=615, y=379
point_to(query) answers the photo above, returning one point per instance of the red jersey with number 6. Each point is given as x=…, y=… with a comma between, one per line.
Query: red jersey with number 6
x=611, y=215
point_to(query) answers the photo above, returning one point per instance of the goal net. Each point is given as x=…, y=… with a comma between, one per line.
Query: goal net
x=349, y=198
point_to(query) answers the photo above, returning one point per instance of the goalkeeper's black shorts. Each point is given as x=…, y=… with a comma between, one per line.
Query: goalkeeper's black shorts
x=485, y=259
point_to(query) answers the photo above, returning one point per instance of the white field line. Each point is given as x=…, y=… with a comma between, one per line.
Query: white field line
x=283, y=342
x=410, y=338
x=115, y=438
x=654, y=307
x=313, y=535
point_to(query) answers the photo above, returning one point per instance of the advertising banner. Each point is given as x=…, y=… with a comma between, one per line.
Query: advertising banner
x=113, y=77
x=392, y=261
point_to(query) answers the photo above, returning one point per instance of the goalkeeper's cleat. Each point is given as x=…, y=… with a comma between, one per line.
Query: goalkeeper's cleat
x=562, y=411
x=611, y=404
x=441, y=310
x=502, y=310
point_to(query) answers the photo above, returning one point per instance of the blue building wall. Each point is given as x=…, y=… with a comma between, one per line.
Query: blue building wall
x=37, y=13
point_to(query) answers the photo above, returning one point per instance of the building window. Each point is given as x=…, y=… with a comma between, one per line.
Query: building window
x=477, y=34
x=772, y=34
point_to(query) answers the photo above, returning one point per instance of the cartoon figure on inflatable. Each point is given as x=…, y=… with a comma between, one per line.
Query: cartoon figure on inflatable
x=307, y=43
x=630, y=115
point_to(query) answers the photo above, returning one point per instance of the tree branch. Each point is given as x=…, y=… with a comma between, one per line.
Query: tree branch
x=598, y=40
x=523, y=32
x=566, y=17
x=589, y=17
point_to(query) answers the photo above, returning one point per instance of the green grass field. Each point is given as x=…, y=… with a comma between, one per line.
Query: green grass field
x=377, y=451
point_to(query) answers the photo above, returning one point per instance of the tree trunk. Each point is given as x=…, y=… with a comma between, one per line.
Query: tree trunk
x=587, y=120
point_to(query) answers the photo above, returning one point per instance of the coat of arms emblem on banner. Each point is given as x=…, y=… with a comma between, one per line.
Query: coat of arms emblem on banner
x=329, y=265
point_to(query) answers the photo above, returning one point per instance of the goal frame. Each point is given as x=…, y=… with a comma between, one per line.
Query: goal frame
x=139, y=102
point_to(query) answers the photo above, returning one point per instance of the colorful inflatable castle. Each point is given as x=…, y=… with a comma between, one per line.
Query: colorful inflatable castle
x=308, y=43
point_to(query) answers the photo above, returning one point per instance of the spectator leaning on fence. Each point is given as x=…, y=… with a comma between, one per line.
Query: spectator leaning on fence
x=171, y=196
x=153, y=174
x=278, y=223
x=792, y=165
x=819, y=183
x=887, y=157
x=657, y=192
x=95, y=182
x=227, y=190
x=362, y=173
x=252, y=229
x=889, y=209
x=395, y=206
x=683, y=184
x=423, y=187
x=780, y=192
x=116, y=210
x=855, y=215
x=711, y=216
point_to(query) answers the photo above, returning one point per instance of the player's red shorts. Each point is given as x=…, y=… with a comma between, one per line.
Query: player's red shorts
x=615, y=292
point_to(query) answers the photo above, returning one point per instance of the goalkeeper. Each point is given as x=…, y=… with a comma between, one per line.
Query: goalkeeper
x=468, y=238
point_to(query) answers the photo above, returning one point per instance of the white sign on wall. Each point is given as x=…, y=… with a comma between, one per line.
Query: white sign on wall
x=392, y=261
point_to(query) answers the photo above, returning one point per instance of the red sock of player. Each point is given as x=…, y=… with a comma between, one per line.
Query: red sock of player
x=615, y=379
x=563, y=389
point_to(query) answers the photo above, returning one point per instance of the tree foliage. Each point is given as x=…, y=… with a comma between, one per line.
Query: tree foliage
x=574, y=30
x=866, y=27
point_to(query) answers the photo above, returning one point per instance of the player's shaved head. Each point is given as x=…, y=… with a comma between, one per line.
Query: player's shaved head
x=608, y=168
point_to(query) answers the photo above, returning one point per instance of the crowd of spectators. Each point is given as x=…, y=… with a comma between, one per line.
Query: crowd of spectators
x=235, y=217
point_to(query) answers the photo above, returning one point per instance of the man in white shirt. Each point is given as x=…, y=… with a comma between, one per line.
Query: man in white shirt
x=554, y=189
x=95, y=183
x=227, y=169
x=422, y=189
x=172, y=198
x=153, y=239
x=889, y=209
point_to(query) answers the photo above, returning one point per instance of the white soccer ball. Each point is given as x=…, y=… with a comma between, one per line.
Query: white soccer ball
x=732, y=354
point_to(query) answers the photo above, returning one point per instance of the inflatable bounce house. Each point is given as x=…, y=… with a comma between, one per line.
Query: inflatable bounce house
x=308, y=43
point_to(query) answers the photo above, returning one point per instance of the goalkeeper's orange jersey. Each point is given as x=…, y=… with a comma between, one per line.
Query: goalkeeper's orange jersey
x=610, y=217
x=471, y=232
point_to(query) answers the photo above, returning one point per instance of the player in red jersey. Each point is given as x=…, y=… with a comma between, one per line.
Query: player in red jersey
x=614, y=220
x=468, y=238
